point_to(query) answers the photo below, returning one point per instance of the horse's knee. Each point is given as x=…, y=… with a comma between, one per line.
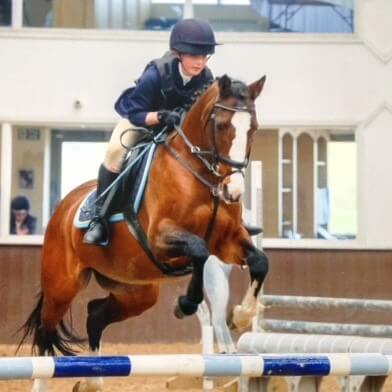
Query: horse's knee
x=187, y=244
x=196, y=248
x=258, y=265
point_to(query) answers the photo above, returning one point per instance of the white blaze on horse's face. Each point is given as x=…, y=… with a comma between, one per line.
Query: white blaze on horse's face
x=241, y=121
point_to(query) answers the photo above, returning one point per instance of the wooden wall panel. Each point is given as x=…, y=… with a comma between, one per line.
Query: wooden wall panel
x=19, y=284
x=265, y=149
x=74, y=13
x=330, y=273
x=305, y=197
x=361, y=274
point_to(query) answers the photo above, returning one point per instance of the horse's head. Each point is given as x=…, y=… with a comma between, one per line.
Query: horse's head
x=229, y=122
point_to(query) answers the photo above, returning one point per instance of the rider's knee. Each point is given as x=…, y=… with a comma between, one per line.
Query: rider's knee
x=114, y=158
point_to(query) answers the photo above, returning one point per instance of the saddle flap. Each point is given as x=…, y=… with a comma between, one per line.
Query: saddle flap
x=132, y=186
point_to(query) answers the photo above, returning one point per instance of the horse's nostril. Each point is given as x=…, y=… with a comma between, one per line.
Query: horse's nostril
x=230, y=197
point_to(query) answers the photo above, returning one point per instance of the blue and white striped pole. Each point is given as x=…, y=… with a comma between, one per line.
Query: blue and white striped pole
x=252, y=365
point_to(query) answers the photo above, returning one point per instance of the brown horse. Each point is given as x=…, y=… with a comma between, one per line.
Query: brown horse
x=203, y=161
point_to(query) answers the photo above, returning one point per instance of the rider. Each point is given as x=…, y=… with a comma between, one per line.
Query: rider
x=166, y=84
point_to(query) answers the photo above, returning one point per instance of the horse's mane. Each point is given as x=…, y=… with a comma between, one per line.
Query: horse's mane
x=204, y=104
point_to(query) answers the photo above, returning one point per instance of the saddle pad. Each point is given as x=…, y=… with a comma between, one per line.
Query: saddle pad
x=139, y=172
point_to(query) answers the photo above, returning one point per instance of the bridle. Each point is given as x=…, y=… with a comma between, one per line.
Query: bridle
x=240, y=165
x=211, y=158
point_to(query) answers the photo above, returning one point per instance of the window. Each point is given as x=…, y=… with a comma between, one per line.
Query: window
x=59, y=13
x=5, y=12
x=72, y=173
x=45, y=165
x=343, y=188
x=309, y=183
x=334, y=16
x=27, y=180
x=68, y=149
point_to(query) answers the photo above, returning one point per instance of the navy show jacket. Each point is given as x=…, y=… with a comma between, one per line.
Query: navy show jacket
x=147, y=95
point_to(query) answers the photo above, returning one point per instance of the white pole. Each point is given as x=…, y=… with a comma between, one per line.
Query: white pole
x=188, y=9
x=207, y=336
x=294, y=188
x=6, y=178
x=46, y=183
x=17, y=14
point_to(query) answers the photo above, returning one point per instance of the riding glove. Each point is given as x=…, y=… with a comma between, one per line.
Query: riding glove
x=169, y=118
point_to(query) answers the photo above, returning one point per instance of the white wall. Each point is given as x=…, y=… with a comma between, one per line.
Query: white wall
x=310, y=80
x=328, y=81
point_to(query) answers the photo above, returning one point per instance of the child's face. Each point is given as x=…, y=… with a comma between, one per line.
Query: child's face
x=20, y=215
x=193, y=64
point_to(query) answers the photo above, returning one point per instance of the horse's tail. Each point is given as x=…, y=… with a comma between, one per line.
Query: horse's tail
x=45, y=341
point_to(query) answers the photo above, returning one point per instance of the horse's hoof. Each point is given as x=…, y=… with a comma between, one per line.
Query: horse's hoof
x=185, y=307
x=83, y=386
x=178, y=312
x=229, y=321
x=76, y=387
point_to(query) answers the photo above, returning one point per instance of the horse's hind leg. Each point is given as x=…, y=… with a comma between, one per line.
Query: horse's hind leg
x=123, y=302
x=45, y=323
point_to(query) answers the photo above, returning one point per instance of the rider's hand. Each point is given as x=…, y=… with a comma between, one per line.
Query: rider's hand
x=169, y=118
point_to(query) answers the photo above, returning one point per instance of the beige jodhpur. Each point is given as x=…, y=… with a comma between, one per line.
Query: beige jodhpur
x=116, y=153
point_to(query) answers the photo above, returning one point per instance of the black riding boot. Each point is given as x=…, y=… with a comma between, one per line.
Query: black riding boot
x=98, y=230
x=252, y=230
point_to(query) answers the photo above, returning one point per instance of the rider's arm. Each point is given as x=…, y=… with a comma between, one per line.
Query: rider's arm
x=145, y=98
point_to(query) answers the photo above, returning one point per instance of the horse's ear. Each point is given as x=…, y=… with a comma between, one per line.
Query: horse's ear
x=256, y=87
x=224, y=83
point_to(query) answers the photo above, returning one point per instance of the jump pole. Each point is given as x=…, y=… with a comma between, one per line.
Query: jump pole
x=250, y=365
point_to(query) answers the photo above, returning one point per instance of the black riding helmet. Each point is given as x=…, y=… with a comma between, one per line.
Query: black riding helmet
x=193, y=36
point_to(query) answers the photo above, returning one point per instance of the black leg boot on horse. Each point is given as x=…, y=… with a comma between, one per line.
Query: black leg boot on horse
x=98, y=231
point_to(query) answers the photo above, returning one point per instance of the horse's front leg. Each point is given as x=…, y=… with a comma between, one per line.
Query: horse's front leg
x=216, y=286
x=258, y=268
x=179, y=244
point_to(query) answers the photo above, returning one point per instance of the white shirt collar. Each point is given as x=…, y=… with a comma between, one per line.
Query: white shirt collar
x=185, y=78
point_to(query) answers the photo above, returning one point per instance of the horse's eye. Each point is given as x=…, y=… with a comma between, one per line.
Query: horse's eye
x=221, y=126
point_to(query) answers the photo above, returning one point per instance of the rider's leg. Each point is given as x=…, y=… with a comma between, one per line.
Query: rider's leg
x=98, y=230
x=252, y=230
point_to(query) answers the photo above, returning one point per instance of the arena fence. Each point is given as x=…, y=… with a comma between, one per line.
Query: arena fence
x=301, y=337
x=302, y=302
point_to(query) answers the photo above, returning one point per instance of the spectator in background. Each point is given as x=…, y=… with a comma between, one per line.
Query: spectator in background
x=22, y=223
